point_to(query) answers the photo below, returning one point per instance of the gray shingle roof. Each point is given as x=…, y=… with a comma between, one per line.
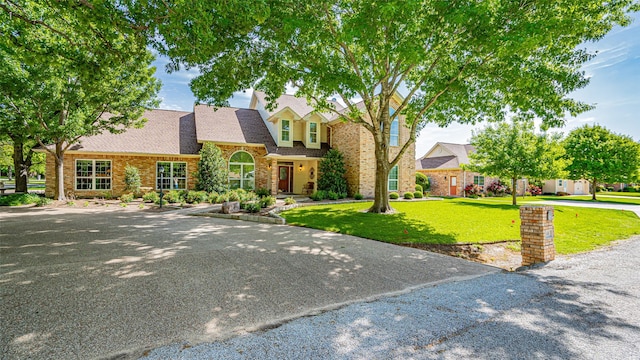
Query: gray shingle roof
x=231, y=125
x=460, y=156
x=165, y=132
x=298, y=149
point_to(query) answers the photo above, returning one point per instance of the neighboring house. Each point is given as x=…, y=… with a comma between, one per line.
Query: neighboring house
x=573, y=187
x=276, y=149
x=442, y=164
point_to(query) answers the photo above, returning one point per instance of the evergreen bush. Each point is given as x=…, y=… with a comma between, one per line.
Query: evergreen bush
x=332, y=173
x=132, y=181
x=422, y=180
x=212, y=174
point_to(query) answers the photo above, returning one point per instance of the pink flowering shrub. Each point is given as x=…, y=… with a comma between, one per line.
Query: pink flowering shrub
x=497, y=188
x=535, y=190
x=472, y=190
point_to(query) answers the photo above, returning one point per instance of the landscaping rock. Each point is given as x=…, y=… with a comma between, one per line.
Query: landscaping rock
x=230, y=207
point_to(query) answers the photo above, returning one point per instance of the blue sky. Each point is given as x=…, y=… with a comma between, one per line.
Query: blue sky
x=614, y=89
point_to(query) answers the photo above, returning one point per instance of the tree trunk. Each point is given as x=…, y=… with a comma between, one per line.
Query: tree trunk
x=59, y=189
x=381, y=199
x=594, y=188
x=514, y=193
x=21, y=165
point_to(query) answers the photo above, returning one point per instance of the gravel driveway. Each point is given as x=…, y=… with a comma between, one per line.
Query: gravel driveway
x=581, y=307
x=95, y=283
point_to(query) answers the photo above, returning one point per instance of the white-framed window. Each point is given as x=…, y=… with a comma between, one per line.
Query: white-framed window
x=93, y=175
x=478, y=180
x=285, y=130
x=393, y=178
x=313, y=132
x=242, y=171
x=394, y=131
x=560, y=182
x=171, y=175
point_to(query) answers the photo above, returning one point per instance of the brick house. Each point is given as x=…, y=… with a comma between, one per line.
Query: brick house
x=573, y=187
x=442, y=164
x=276, y=149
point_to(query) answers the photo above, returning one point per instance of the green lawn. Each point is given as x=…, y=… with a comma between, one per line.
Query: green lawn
x=615, y=193
x=599, y=199
x=466, y=221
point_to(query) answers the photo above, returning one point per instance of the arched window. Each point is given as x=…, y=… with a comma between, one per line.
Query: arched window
x=242, y=171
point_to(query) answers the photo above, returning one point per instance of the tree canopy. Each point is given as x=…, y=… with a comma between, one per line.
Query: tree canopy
x=601, y=156
x=515, y=151
x=72, y=70
x=456, y=61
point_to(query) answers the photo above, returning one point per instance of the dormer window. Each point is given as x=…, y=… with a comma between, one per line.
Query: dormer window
x=285, y=131
x=313, y=132
x=394, y=131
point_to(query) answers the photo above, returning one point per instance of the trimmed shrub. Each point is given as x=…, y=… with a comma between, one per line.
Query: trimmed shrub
x=418, y=194
x=289, y=201
x=252, y=207
x=318, y=195
x=18, y=199
x=332, y=172
x=151, y=197
x=332, y=195
x=131, y=180
x=212, y=174
x=126, y=198
x=393, y=195
x=196, y=197
x=610, y=188
x=419, y=188
x=233, y=195
x=262, y=192
x=423, y=181
x=408, y=195
x=43, y=201
x=267, y=201
x=174, y=196
x=358, y=196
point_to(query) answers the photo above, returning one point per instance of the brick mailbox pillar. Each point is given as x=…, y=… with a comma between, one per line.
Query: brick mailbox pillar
x=536, y=232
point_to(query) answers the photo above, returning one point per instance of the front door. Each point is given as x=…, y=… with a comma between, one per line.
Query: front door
x=284, y=179
x=453, y=188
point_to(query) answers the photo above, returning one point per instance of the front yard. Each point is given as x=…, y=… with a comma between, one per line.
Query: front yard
x=452, y=221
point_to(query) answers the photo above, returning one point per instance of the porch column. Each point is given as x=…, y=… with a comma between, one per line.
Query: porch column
x=274, y=177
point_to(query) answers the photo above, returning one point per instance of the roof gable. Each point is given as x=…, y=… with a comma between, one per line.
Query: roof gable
x=231, y=125
x=445, y=155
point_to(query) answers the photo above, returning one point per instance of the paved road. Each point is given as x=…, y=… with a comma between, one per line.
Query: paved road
x=83, y=283
x=583, y=307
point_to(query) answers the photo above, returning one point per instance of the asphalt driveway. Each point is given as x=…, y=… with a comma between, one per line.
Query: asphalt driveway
x=105, y=283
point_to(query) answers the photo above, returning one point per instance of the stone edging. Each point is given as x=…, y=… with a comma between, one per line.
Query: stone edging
x=245, y=217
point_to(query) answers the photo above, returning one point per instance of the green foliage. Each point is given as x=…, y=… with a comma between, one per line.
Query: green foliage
x=126, y=198
x=358, y=196
x=151, y=197
x=408, y=195
x=597, y=154
x=332, y=172
x=132, y=179
x=262, y=192
x=196, y=197
x=318, y=195
x=418, y=195
x=267, y=201
x=43, y=201
x=19, y=199
x=515, y=151
x=72, y=70
x=289, y=201
x=472, y=59
x=332, y=195
x=419, y=188
x=252, y=207
x=213, y=174
x=174, y=196
x=422, y=180
x=394, y=195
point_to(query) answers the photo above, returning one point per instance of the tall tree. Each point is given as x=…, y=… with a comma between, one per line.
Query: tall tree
x=459, y=61
x=597, y=154
x=213, y=173
x=72, y=70
x=514, y=151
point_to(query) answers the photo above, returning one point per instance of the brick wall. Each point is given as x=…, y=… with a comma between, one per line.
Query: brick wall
x=440, y=180
x=537, y=233
x=262, y=171
x=357, y=145
x=146, y=165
